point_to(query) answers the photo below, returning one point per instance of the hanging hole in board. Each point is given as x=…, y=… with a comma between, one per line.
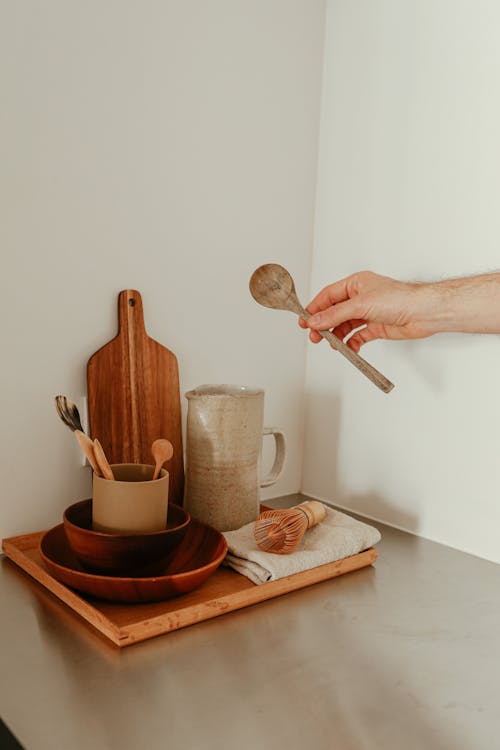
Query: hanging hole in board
x=131, y=302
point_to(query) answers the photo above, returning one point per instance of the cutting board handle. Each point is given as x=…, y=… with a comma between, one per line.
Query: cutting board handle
x=130, y=312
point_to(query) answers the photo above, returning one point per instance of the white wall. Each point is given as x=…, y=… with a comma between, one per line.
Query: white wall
x=171, y=147
x=409, y=184
x=165, y=146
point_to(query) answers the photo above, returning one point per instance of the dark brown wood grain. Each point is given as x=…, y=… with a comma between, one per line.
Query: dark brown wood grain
x=133, y=395
x=121, y=554
x=187, y=566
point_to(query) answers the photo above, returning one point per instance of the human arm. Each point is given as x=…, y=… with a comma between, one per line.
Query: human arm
x=391, y=309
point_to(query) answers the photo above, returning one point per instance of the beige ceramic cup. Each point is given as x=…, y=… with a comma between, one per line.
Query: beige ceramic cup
x=132, y=503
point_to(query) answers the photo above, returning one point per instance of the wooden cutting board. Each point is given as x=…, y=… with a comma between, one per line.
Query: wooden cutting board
x=133, y=395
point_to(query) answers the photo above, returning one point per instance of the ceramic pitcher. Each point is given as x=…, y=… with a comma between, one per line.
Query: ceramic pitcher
x=223, y=454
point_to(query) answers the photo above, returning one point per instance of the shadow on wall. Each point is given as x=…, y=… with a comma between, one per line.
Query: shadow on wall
x=428, y=368
x=323, y=428
x=372, y=505
x=432, y=358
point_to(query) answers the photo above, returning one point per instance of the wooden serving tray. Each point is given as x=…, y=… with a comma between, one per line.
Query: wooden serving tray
x=224, y=591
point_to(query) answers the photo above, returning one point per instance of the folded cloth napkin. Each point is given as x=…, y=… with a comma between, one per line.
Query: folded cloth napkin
x=336, y=537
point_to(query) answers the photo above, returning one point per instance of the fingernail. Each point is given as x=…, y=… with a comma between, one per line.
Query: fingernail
x=315, y=320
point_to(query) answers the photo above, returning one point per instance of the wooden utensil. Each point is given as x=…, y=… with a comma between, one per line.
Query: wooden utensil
x=280, y=531
x=69, y=413
x=70, y=416
x=88, y=448
x=102, y=461
x=272, y=286
x=162, y=450
x=133, y=395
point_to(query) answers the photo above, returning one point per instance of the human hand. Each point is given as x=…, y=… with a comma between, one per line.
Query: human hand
x=386, y=308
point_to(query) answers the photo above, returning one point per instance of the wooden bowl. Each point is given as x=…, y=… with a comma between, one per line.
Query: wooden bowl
x=195, y=559
x=125, y=554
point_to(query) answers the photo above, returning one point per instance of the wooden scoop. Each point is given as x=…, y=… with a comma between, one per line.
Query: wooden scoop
x=162, y=450
x=272, y=286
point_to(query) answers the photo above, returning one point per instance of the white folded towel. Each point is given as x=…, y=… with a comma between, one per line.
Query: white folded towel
x=336, y=537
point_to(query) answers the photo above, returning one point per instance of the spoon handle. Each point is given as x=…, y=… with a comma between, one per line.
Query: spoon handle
x=87, y=447
x=363, y=366
x=102, y=461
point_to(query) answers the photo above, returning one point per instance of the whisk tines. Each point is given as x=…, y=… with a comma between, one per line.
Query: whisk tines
x=280, y=531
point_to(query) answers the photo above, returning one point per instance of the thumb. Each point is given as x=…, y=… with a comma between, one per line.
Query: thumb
x=334, y=316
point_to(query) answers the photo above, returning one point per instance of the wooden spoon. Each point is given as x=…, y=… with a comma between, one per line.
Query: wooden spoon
x=272, y=286
x=68, y=413
x=162, y=450
x=70, y=416
x=102, y=461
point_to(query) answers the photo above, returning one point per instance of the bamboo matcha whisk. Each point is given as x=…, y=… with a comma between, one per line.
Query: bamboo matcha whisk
x=280, y=531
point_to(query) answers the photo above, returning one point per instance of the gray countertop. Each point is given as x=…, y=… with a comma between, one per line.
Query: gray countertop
x=400, y=655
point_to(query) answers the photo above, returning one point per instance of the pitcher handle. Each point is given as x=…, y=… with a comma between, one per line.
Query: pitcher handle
x=279, y=459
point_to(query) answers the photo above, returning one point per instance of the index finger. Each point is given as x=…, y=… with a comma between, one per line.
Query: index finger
x=330, y=295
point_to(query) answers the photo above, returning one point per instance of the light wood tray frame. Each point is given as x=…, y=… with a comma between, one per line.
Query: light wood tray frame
x=225, y=591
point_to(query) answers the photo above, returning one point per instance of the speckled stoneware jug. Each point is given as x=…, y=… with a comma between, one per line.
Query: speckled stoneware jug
x=223, y=454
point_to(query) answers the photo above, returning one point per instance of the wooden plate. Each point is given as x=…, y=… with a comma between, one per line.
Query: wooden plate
x=198, y=556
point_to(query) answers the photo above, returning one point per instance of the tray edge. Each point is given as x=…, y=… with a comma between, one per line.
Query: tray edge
x=247, y=597
x=13, y=548
x=76, y=603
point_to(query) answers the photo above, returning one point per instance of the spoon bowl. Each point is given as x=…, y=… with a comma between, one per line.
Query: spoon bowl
x=70, y=416
x=69, y=413
x=272, y=286
x=162, y=450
